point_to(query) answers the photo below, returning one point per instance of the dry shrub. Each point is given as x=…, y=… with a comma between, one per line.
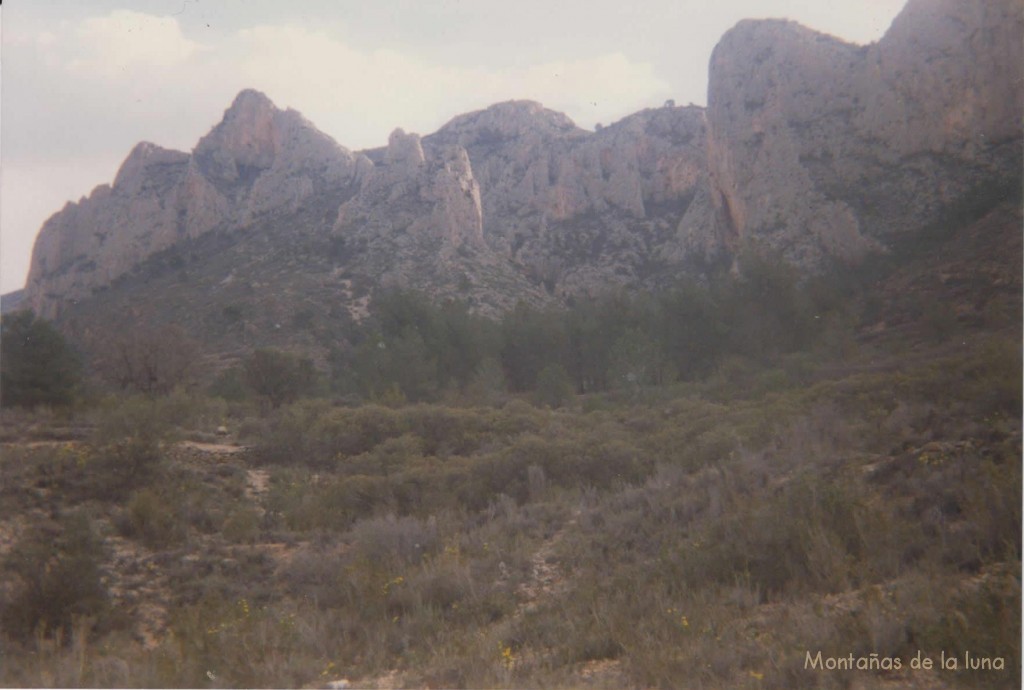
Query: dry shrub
x=242, y=526
x=394, y=542
x=150, y=517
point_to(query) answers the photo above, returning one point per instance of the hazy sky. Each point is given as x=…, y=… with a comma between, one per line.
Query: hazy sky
x=82, y=82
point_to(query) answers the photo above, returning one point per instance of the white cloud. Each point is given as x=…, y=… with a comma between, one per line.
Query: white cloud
x=602, y=88
x=359, y=96
x=125, y=41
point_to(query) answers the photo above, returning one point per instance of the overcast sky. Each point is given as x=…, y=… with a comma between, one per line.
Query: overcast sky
x=82, y=82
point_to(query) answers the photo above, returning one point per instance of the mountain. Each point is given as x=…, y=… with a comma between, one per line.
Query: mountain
x=824, y=149
x=12, y=301
x=824, y=152
x=259, y=160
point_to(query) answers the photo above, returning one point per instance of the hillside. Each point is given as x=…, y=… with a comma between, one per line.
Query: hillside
x=859, y=497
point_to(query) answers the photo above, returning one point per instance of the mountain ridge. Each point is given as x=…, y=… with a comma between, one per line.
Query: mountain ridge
x=823, y=151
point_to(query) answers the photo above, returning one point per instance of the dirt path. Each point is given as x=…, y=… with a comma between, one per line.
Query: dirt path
x=135, y=579
x=215, y=448
x=139, y=588
x=546, y=576
x=257, y=484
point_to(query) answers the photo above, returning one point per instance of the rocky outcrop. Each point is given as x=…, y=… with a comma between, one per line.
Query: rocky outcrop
x=825, y=150
x=522, y=186
x=92, y=242
x=258, y=160
x=411, y=199
x=532, y=161
x=576, y=209
x=417, y=222
x=947, y=77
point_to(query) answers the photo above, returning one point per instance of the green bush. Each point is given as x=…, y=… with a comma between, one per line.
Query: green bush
x=279, y=377
x=242, y=526
x=128, y=444
x=151, y=518
x=554, y=387
x=488, y=385
x=231, y=385
x=37, y=366
x=286, y=437
x=57, y=580
x=807, y=538
x=337, y=504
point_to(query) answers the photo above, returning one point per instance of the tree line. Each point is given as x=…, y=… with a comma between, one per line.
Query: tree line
x=413, y=349
x=617, y=340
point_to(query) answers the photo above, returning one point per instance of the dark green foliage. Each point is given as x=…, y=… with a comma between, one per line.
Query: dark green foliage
x=37, y=366
x=588, y=334
x=554, y=388
x=232, y=313
x=637, y=361
x=414, y=348
x=691, y=328
x=58, y=580
x=487, y=386
x=278, y=376
x=411, y=350
x=447, y=336
x=400, y=363
x=764, y=311
x=531, y=340
x=230, y=384
x=595, y=326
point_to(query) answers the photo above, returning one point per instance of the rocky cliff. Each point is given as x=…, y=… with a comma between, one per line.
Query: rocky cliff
x=573, y=209
x=826, y=150
x=818, y=149
x=433, y=202
x=259, y=160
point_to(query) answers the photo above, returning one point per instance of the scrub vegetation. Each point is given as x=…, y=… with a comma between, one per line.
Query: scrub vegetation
x=695, y=488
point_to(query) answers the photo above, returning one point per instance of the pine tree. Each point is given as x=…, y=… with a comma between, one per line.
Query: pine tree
x=37, y=366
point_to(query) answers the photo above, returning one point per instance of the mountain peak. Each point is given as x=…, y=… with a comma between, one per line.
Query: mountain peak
x=508, y=120
x=142, y=156
x=249, y=100
x=245, y=137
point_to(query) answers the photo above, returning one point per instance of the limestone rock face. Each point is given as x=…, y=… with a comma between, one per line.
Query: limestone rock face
x=91, y=242
x=826, y=150
x=540, y=203
x=405, y=152
x=947, y=77
x=417, y=221
x=575, y=209
x=411, y=199
x=258, y=160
